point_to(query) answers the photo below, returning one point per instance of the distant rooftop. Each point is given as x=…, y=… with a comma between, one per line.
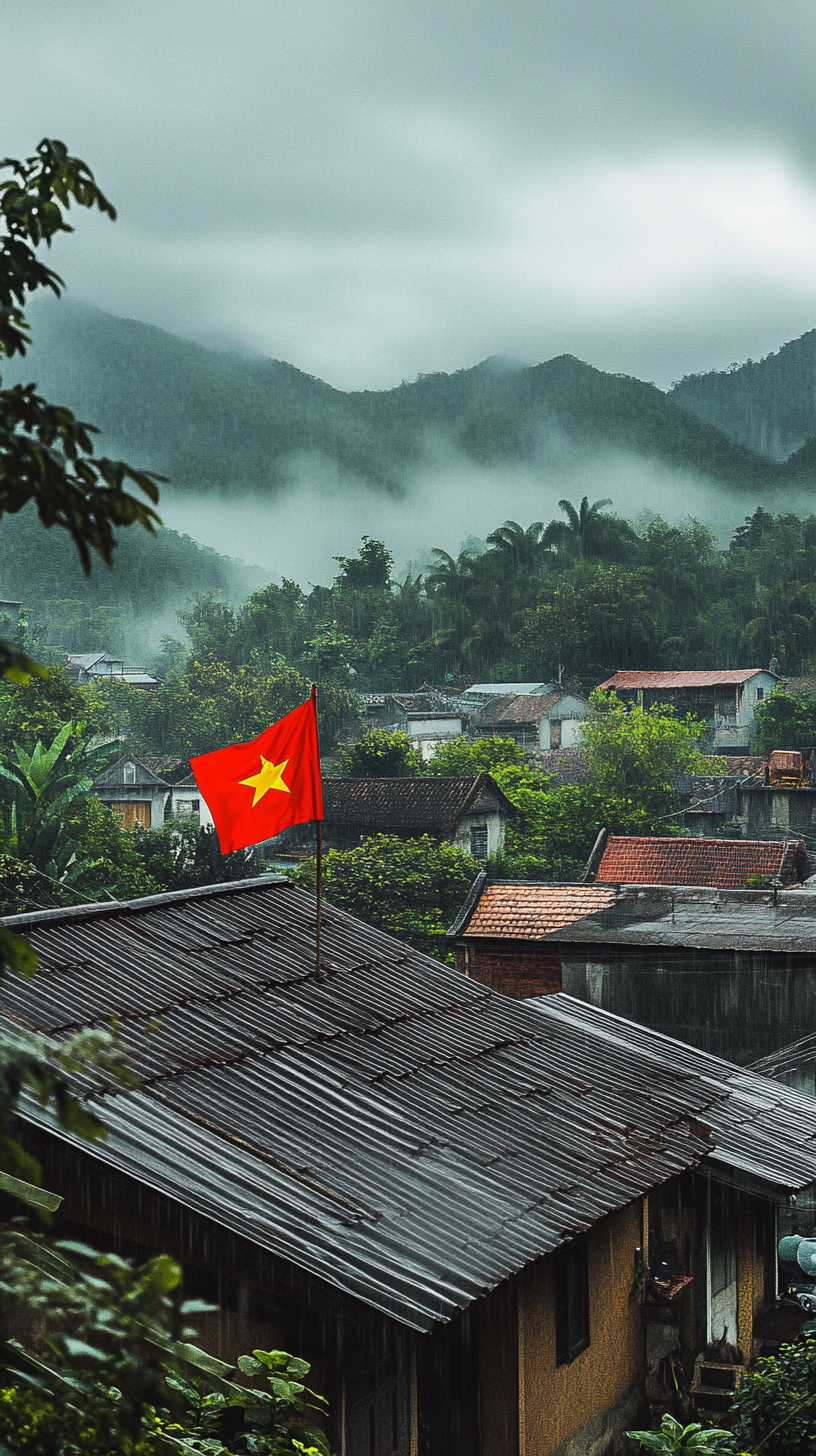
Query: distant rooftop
x=782, y=921
x=634, y=680
x=515, y=911
x=674, y=860
x=502, y=689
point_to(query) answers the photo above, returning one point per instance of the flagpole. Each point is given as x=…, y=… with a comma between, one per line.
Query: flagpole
x=318, y=856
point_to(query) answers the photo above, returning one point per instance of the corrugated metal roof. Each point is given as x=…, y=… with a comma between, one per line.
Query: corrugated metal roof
x=527, y=708
x=503, y=689
x=405, y=1133
x=761, y=1129
x=732, y=677
x=675, y=860
x=426, y=805
x=517, y=911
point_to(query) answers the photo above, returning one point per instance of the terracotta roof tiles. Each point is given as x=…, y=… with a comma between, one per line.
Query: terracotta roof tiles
x=724, y=863
x=532, y=912
x=681, y=679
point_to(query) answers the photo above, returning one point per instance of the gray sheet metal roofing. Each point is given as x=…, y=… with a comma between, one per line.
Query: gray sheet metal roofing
x=397, y=1129
x=761, y=1128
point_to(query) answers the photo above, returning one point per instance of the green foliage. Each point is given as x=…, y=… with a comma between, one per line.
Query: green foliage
x=380, y=753
x=46, y=453
x=39, y=708
x=211, y=705
x=181, y=856
x=785, y=720
x=675, y=1440
x=775, y=1407
x=21, y=886
x=411, y=888
x=462, y=757
x=634, y=757
x=35, y=1424
x=276, y=1419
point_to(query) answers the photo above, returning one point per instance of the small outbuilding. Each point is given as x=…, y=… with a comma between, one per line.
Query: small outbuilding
x=537, y=721
x=469, y=812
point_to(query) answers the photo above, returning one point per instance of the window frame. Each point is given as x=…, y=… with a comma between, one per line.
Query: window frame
x=572, y=1304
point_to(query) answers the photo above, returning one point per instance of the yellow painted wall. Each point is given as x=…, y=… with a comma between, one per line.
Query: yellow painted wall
x=556, y=1401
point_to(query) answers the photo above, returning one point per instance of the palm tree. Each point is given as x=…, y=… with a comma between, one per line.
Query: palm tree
x=520, y=549
x=587, y=532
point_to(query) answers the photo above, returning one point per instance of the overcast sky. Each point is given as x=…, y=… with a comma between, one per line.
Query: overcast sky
x=376, y=188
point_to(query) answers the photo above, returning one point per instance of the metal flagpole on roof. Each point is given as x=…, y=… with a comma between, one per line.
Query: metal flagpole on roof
x=318, y=851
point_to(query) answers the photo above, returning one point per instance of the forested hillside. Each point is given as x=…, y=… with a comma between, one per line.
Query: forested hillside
x=770, y=406
x=115, y=610
x=219, y=422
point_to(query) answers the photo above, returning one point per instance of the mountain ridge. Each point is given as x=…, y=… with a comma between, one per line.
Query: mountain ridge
x=217, y=422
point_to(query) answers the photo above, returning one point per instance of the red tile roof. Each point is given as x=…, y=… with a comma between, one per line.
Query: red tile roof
x=531, y=912
x=680, y=679
x=723, y=863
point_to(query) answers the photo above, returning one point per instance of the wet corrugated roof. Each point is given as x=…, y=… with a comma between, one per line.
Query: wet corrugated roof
x=732, y=677
x=525, y=708
x=405, y=1133
x=426, y=805
x=761, y=1129
x=513, y=911
x=676, y=860
x=704, y=919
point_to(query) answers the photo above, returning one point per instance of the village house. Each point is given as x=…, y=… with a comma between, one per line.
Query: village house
x=536, y=721
x=425, y=723
x=488, y=1223
x=724, y=700
x=730, y=971
x=139, y=794
x=469, y=812
x=84, y=667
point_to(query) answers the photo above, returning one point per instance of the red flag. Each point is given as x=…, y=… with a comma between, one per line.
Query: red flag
x=254, y=790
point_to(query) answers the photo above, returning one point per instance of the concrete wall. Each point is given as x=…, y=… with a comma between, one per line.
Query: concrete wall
x=579, y=1408
x=495, y=831
x=741, y=1005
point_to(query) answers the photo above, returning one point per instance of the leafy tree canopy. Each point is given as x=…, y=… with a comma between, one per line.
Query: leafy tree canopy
x=381, y=753
x=46, y=454
x=411, y=888
x=785, y=720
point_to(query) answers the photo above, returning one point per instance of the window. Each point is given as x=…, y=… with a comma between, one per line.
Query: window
x=130, y=773
x=571, y=1301
x=478, y=841
x=760, y=694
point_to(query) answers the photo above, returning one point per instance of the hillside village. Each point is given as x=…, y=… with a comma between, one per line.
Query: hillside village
x=473, y=1111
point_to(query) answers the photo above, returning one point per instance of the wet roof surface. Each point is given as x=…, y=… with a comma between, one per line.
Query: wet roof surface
x=682, y=679
x=705, y=919
x=676, y=860
x=407, y=1134
x=423, y=804
x=532, y=912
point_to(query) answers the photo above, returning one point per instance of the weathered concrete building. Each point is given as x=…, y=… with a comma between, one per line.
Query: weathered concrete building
x=536, y=721
x=469, y=812
x=438, y=1195
x=139, y=793
x=730, y=971
x=724, y=700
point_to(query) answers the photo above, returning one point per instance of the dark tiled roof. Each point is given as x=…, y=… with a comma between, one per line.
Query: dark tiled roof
x=114, y=775
x=425, y=804
x=397, y=1129
x=531, y=912
x=529, y=708
x=681, y=679
x=726, y=863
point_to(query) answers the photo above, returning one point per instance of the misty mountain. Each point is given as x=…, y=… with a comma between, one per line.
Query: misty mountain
x=770, y=406
x=219, y=422
x=123, y=610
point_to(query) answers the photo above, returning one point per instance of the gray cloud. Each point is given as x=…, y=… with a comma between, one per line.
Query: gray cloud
x=371, y=188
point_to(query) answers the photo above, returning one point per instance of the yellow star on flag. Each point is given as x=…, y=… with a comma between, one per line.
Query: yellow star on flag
x=269, y=777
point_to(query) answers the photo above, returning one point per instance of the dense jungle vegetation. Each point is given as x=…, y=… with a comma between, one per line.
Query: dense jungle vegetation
x=582, y=596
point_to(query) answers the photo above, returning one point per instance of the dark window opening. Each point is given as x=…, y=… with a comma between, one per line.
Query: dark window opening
x=760, y=694
x=478, y=841
x=571, y=1301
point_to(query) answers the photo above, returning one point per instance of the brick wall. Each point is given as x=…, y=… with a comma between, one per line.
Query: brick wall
x=516, y=967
